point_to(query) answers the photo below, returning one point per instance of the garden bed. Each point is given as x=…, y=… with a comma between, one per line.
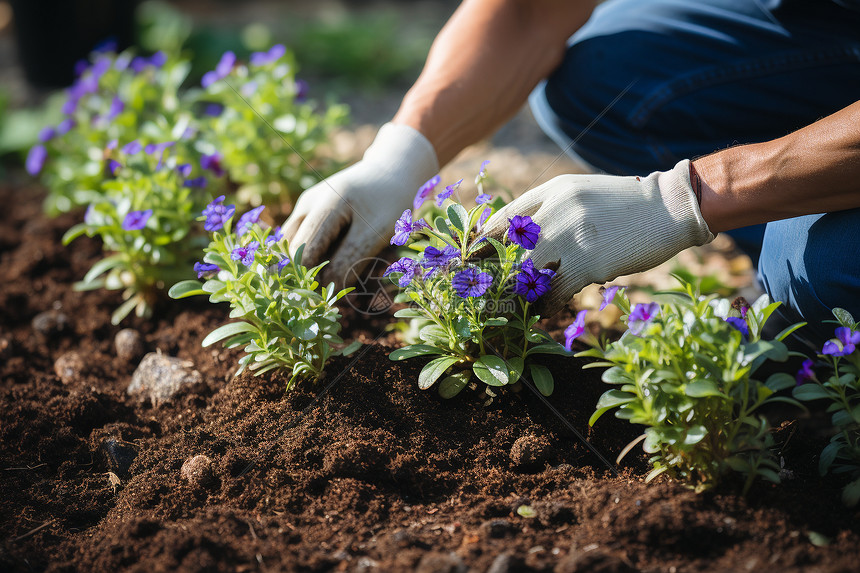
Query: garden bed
x=361, y=472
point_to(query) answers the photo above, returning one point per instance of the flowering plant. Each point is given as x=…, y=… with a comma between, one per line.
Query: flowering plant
x=116, y=97
x=476, y=315
x=839, y=366
x=143, y=212
x=264, y=127
x=285, y=322
x=684, y=369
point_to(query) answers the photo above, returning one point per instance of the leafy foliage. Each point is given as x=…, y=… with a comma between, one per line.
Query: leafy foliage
x=688, y=376
x=840, y=363
x=471, y=319
x=284, y=320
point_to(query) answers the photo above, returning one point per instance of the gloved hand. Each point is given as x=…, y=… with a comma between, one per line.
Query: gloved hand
x=350, y=216
x=598, y=227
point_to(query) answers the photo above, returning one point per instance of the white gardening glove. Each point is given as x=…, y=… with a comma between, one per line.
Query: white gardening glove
x=350, y=216
x=598, y=227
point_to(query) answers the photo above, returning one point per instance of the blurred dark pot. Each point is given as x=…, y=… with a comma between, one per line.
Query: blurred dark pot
x=54, y=34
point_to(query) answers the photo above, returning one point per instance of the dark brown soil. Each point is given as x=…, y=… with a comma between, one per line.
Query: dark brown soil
x=361, y=472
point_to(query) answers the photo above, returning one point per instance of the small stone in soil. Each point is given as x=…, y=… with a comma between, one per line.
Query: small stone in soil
x=50, y=323
x=497, y=527
x=129, y=344
x=69, y=367
x=596, y=561
x=441, y=563
x=198, y=471
x=5, y=347
x=530, y=451
x=505, y=563
x=160, y=377
x=119, y=456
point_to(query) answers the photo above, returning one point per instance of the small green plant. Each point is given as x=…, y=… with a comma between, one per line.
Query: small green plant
x=143, y=211
x=477, y=315
x=685, y=369
x=839, y=362
x=284, y=321
x=258, y=117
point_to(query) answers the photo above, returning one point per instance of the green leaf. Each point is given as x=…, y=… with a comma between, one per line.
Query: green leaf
x=500, y=248
x=807, y=392
x=433, y=333
x=434, y=369
x=788, y=330
x=73, y=233
x=844, y=317
x=616, y=375
x=780, y=381
x=491, y=370
x=442, y=226
x=458, y=216
x=102, y=267
x=609, y=400
x=185, y=289
x=497, y=321
x=702, y=389
x=542, y=378
x=851, y=493
x=409, y=313
x=306, y=329
x=516, y=365
x=549, y=348
x=223, y=332
x=828, y=456
x=413, y=351
x=694, y=435
x=124, y=310
x=351, y=347
x=454, y=384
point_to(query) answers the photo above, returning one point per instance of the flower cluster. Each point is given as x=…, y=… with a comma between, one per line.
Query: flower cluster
x=265, y=130
x=685, y=370
x=835, y=377
x=143, y=212
x=473, y=315
x=286, y=321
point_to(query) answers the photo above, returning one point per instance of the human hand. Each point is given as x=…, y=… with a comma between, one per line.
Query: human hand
x=598, y=227
x=349, y=216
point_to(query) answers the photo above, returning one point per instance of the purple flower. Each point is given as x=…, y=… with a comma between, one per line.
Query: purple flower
x=116, y=107
x=274, y=54
x=136, y=220
x=302, y=89
x=609, y=295
x=138, y=64
x=36, y=159
x=449, y=190
x=47, y=134
x=158, y=59
x=483, y=171
x=277, y=235
x=106, y=45
x=205, y=270
x=425, y=192
x=113, y=165
x=245, y=254
x=158, y=149
x=132, y=148
x=574, y=329
x=121, y=63
x=531, y=283
x=844, y=344
x=222, y=70
x=184, y=169
x=213, y=109
x=198, y=182
x=80, y=67
x=483, y=198
x=70, y=104
x=212, y=163
x=217, y=214
x=471, y=283
x=248, y=219
x=404, y=265
x=740, y=325
x=112, y=144
x=523, y=231
x=404, y=227
x=640, y=316
x=434, y=257
x=101, y=66
x=282, y=263
x=484, y=216
x=805, y=373
x=65, y=126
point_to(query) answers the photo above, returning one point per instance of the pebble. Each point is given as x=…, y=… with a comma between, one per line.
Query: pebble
x=596, y=561
x=497, y=527
x=129, y=344
x=529, y=451
x=5, y=347
x=50, y=322
x=505, y=563
x=440, y=563
x=119, y=456
x=69, y=367
x=197, y=471
x=160, y=377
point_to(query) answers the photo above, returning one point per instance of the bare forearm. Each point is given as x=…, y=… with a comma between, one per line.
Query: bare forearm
x=483, y=65
x=813, y=170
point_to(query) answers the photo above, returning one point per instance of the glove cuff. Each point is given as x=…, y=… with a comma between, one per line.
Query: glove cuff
x=404, y=152
x=680, y=199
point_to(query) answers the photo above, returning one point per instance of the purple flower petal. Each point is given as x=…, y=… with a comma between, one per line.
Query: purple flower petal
x=158, y=59
x=36, y=159
x=302, y=90
x=116, y=108
x=609, y=295
x=806, y=373
x=136, y=220
x=404, y=265
x=209, y=78
x=248, y=219
x=197, y=183
x=205, y=270
x=523, y=231
x=65, y=126
x=47, y=134
x=483, y=198
x=425, y=191
x=225, y=65
x=245, y=254
x=212, y=163
x=740, y=325
x=640, y=316
x=132, y=148
x=574, y=329
x=113, y=165
x=184, y=169
x=217, y=214
x=449, y=190
x=471, y=283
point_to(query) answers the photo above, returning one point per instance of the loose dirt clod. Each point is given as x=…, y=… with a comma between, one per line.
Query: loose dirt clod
x=50, y=323
x=129, y=344
x=198, y=471
x=530, y=451
x=160, y=377
x=69, y=367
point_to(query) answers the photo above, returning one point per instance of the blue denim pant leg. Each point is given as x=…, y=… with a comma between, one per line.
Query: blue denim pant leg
x=646, y=83
x=812, y=264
